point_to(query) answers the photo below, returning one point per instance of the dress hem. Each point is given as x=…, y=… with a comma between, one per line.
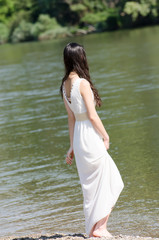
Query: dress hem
x=98, y=219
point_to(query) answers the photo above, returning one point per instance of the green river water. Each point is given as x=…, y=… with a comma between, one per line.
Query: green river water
x=39, y=193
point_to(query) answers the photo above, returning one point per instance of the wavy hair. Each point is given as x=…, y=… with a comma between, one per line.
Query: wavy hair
x=75, y=60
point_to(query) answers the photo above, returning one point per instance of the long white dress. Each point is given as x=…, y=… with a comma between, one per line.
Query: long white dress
x=99, y=177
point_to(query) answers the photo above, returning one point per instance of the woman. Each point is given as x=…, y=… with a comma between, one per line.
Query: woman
x=100, y=179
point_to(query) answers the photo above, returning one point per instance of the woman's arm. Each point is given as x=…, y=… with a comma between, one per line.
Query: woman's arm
x=71, y=124
x=92, y=114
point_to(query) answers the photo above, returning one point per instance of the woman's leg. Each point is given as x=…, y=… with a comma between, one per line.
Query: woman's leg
x=100, y=228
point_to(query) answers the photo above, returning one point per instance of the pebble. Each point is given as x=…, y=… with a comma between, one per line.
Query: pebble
x=76, y=236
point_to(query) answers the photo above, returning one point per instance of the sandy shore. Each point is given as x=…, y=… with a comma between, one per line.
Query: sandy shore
x=78, y=236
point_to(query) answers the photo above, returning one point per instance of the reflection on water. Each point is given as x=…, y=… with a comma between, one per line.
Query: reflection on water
x=39, y=192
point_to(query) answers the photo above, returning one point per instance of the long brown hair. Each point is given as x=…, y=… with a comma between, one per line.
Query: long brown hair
x=75, y=61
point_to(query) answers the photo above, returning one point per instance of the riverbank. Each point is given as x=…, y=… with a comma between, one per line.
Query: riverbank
x=21, y=21
x=75, y=236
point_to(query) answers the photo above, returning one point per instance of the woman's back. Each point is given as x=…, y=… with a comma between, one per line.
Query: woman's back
x=74, y=98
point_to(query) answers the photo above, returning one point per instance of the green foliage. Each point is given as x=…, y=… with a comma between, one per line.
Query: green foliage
x=143, y=8
x=46, y=27
x=6, y=9
x=133, y=9
x=36, y=29
x=10, y=8
x=95, y=5
x=78, y=7
x=54, y=33
x=43, y=24
x=15, y=20
x=73, y=30
x=45, y=19
x=22, y=32
x=106, y=20
x=93, y=18
x=4, y=32
x=24, y=4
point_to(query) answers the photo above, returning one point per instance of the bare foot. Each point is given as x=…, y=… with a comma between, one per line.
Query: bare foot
x=101, y=233
x=91, y=233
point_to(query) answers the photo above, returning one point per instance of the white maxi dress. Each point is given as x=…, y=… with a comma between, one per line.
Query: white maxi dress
x=99, y=177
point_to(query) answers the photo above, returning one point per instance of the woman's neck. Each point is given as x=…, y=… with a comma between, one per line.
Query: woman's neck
x=72, y=75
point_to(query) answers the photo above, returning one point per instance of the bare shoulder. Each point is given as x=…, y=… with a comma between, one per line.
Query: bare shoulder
x=84, y=86
x=84, y=82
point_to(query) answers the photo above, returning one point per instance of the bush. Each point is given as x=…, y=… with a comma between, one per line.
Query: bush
x=46, y=21
x=4, y=33
x=78, y=7
x=43, y=25
x=44, y=28
x=94, y=18
x=54, y=33
x=144, y=8
x=22, y=32
x=36, y=29
x=15, y=20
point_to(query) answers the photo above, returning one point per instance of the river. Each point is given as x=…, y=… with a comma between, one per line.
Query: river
x=39, y=193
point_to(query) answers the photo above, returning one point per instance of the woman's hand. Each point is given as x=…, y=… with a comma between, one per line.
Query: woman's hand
x=106, y=143
x=69, y=156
